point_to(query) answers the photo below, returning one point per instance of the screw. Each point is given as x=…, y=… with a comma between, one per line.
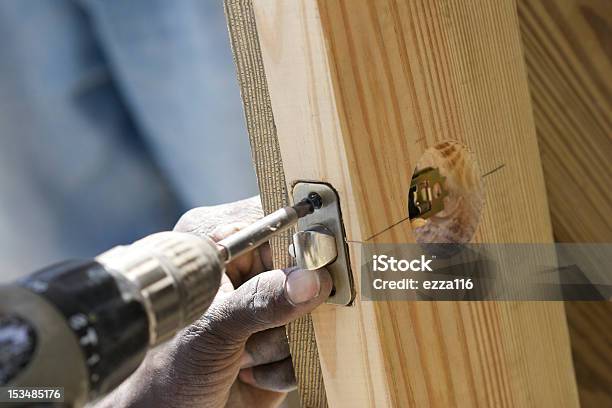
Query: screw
x=315, y=199
x=307, y=206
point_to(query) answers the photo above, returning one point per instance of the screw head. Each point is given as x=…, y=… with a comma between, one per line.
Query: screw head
x=315, y=199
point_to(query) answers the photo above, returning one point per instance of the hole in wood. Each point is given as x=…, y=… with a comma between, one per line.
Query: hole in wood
x=448, y=171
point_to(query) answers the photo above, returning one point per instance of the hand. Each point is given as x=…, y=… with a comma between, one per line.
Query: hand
x=236, y=354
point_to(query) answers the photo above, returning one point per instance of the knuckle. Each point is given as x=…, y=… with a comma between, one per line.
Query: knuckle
x=223, y=231
x=261, y=294
x=209, y=330
x=263, y=299
x=255, y=305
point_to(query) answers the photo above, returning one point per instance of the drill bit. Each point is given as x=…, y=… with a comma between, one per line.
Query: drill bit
x=262, y=230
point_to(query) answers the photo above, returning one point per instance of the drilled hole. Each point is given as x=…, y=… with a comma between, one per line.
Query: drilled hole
x=462, y=192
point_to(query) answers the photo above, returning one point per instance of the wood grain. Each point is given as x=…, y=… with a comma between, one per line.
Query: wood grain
x=359, y=90
x=568, y=53
x=272, y=186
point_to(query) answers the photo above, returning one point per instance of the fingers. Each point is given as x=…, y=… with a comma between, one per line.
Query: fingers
x=266, y=347
x=243, y=267
x=271, y=299
x=247, y=265
x=225, y=230
x=278, y=376
x=203, y=220
x=265, y=254
x=266, y=361
x=246, y=395
x=263, y=257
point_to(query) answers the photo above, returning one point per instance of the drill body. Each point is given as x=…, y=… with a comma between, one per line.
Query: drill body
x=87, y=325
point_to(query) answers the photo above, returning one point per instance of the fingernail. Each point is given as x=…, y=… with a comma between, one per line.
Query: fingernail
x=302, y=285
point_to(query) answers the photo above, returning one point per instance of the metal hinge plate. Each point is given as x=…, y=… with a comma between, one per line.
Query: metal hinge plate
x=326, y=220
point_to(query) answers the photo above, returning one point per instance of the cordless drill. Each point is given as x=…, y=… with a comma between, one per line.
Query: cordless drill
x=87, y=325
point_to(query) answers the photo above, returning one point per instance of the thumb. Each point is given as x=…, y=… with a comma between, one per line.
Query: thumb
x=275, y=298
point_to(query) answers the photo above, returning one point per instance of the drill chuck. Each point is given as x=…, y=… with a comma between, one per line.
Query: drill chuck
x=175, y=275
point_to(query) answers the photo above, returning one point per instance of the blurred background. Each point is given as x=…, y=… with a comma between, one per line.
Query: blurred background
x=115, y=118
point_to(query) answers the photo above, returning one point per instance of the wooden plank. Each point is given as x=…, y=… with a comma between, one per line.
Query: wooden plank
x=359, y=90
x=568, y=56
x=271, y=179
